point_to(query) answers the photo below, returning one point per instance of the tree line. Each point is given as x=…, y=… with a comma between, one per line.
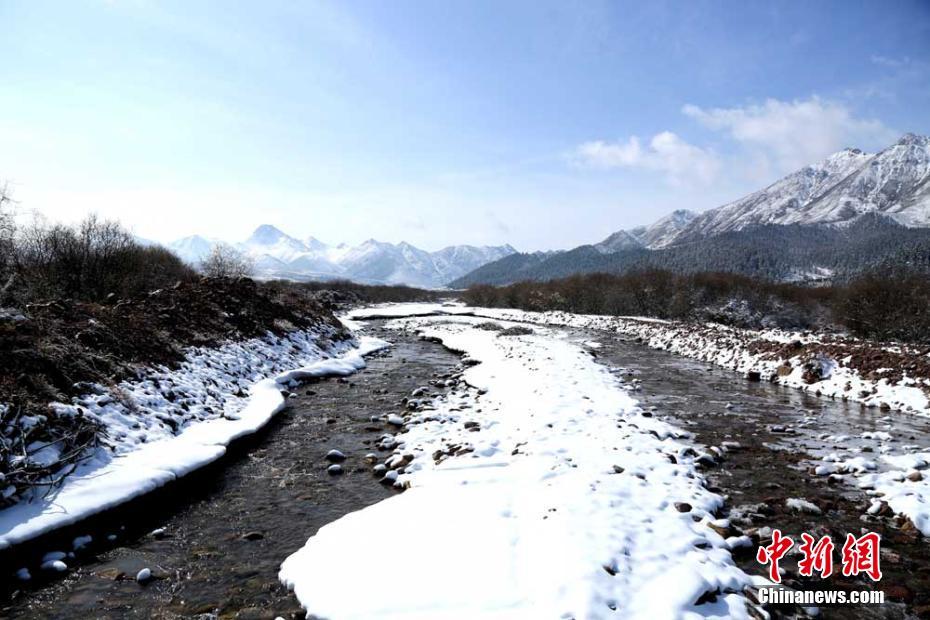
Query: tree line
x=885, y=304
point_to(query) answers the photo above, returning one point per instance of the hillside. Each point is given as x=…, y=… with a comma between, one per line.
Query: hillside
x=847, y=213
x=776, y=252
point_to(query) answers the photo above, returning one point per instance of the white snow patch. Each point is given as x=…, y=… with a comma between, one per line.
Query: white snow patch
x=534, y=521
x=204, y=397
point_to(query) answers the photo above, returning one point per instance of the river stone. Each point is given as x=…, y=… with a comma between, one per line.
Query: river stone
x=335, y=456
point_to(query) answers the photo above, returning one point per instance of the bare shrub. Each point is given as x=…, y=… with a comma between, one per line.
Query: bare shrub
x=516, y=330
x=226, y=261
x=89, y=262
x=887, y=306
x=7, y=236
x=489, y=326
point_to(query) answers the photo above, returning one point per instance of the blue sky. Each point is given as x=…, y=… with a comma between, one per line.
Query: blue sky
x=541, y=124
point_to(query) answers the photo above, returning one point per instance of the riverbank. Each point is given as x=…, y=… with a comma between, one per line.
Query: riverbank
x=215, y=544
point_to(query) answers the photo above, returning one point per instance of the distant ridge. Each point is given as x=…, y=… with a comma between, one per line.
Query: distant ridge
x=277, y=254
x=862, y=206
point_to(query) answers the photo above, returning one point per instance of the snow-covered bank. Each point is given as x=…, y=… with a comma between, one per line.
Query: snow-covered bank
x=542, y=490
x=898, y=478
x=170, y=422
x=826, y=365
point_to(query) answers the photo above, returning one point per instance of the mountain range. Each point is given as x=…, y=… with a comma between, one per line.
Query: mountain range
x=877, y=198
x=278, y=255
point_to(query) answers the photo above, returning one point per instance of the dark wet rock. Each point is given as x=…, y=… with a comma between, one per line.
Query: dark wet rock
x=335, y=456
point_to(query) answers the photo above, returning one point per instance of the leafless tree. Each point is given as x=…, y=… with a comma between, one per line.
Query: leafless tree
x=7, y=242
x=226, y=261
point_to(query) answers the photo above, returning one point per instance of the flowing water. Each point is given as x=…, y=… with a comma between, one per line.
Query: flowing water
x=227, y=529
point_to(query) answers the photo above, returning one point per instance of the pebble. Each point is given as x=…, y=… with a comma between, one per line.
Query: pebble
x=55, y=565
x=334, y=469
x=144, y=575
x=335, y=456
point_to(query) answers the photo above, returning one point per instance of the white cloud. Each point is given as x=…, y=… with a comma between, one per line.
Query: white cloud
x=785, y=136
x=682, y=163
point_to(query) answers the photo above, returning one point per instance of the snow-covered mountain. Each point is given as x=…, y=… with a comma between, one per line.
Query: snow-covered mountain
x=894, y=182
x=193, y=249
x=661, y=232
x=620, y=240
x=277, y=254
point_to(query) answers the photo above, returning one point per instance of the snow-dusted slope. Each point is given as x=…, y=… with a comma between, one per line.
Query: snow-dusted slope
x=895, y=182
x=783, y=202
x=193, y=249
x=456, y=260
x=661, y=233
x=620, y=240
x=840, y=188
x=656, y=235
x=277, y=254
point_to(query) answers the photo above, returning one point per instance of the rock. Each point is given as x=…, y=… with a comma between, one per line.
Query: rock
x=144, y=575
x=111, y=572
x=335, y=456
x=252, y=536
x=682, y=506
x=754, y=375
x=395, y=420
x=915, y=476
x=898, y=592
x=799, y=504
x=784, y=370
x=334, y=470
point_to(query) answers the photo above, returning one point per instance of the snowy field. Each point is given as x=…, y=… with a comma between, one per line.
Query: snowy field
x=540, y=490
x=724, y=346
x=173, y=421
x=896, y=474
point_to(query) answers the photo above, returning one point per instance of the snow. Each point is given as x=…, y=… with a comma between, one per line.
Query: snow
x=800, y=504
x=836, y=190
x=144, y=453
x=530, y=519
x=721, y=345
x=276, y=253
x=900, y=480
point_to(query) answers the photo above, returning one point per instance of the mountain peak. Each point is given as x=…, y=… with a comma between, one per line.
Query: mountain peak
x=266, y=234
x=913, y=139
